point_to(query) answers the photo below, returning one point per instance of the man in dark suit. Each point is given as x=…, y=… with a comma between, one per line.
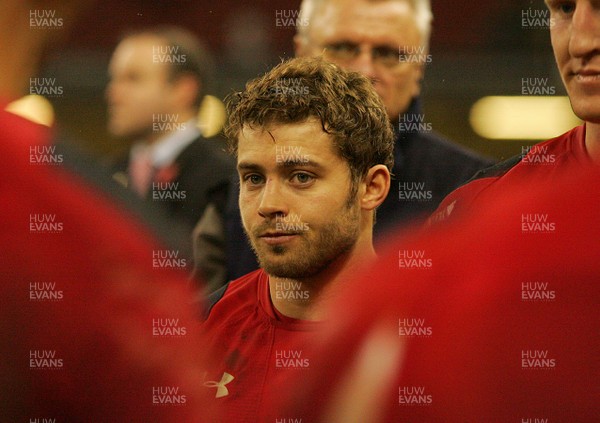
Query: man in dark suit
x=158, y=79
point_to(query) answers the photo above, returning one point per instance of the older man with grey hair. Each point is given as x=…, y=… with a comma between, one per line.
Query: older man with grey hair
x=388, y=41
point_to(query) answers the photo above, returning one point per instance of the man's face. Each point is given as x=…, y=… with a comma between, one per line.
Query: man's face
x=575, y=34
x=368, y=38
x=138, y=88
x=294, y=198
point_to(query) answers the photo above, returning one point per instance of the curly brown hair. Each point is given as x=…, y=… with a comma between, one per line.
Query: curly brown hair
x=298, y=89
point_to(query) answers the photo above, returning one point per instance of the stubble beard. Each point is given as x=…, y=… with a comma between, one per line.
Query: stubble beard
x=308, y=257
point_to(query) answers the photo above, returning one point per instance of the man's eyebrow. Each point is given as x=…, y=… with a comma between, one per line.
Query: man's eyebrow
x=249, y=166
x=341, y=41
x=299, y=162
x=285, y=163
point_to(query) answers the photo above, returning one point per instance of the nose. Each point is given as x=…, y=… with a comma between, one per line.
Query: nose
x=272, y=202
x=363, y=63
x=585, y=30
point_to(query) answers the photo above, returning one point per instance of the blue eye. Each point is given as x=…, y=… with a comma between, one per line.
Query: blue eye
x=567, y=8
x=303, y=178
x=253, y=179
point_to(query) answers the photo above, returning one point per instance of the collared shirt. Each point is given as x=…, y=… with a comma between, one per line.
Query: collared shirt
x=165, y=150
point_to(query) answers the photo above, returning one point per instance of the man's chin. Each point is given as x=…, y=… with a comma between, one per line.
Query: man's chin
x=275, y=256
x=586, y=111
x=269, y=251
x=281, y=266
x=284, y=271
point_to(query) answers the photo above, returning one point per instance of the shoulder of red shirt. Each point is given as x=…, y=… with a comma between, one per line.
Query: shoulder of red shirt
x=563, y=152
x=239, y=293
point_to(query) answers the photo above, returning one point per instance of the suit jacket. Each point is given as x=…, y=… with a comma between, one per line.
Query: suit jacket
x=198, y=178
x=101, y=177
x=427, y=167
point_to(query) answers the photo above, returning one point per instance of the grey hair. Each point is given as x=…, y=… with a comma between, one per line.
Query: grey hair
x=422, y=8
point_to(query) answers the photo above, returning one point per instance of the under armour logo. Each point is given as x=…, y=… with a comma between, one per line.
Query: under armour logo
x=222, y=390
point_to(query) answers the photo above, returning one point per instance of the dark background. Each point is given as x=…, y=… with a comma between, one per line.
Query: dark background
x=477, y=49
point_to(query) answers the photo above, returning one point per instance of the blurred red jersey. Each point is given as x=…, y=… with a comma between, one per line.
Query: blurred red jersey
x=492, y=318
x=553, y=159
x=92, y=330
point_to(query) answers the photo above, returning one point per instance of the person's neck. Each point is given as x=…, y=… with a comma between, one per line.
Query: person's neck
x=592, y=141
x=173, y=126
x=301, y=298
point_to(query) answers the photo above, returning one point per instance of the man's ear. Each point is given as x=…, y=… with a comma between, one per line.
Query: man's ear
x=376, y=185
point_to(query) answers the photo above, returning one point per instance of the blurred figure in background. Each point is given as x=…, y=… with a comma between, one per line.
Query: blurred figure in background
x=575, y=35
x=91, y=329
x=158, y=78
x=388, y=42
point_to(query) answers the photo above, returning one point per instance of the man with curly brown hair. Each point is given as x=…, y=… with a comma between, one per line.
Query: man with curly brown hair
x=312, y=170
x=388, y=42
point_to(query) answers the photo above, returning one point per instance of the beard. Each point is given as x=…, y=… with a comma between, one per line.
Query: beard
x=313, y=250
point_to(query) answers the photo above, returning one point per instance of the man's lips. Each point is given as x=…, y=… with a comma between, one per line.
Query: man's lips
x=587, y=74
x=588, y=71
x=277, y=237
x=277, y=234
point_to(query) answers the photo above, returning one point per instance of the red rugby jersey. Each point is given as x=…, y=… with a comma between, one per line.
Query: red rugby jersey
x=254, y=348
x=552, y=159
